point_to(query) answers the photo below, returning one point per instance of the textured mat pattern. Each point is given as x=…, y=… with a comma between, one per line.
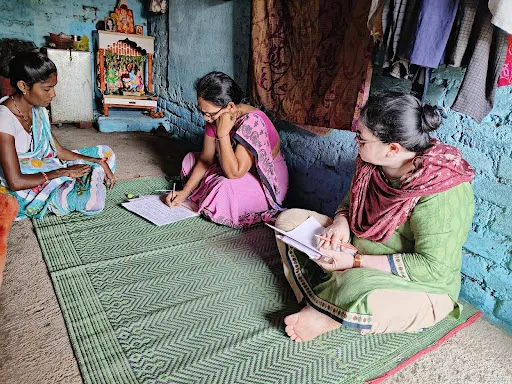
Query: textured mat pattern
x=194, y=302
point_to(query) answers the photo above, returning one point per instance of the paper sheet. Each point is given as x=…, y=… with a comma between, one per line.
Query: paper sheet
x=303, y=237
x=153, y=208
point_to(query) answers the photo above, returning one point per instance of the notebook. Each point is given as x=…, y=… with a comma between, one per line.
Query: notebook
x=155, y=210
x=303, y=238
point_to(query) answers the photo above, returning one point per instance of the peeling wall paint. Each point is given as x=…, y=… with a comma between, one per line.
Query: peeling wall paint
x=33, y=20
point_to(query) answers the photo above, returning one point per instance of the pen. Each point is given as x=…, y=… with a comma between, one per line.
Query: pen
x=163, y=190
x=173, y=190
x=349, y=248
x=325, y=238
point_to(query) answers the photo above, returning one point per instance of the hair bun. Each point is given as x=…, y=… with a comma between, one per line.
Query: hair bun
x=431, y=118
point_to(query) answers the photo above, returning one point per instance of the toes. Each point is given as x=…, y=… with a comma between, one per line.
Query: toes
x=291, y=333
x=291, y=319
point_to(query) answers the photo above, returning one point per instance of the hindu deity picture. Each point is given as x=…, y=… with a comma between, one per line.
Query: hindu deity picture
x=124, y=75
x=125, y=23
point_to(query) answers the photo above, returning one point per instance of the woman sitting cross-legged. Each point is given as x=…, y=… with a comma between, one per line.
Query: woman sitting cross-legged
x=34, y=168
x=240, y=177
x=408, y=212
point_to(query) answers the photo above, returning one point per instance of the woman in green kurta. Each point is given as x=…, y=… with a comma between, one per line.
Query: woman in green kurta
x=408, y=212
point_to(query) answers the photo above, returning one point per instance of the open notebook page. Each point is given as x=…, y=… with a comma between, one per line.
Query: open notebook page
x=152, y=208
x=303, y=237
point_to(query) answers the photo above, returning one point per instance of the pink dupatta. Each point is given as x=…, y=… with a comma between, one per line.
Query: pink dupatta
x=377, y=209
x=251, y=132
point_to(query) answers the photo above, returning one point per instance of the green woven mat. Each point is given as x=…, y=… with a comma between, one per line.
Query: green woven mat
x=194, y=302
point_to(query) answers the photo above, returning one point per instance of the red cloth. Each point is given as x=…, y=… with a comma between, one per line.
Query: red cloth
x=8, y=212
x=506, y=73
x=377, y=209
x=5, y=87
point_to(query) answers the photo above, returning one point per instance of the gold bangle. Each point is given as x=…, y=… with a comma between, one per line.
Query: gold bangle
x=357, y=261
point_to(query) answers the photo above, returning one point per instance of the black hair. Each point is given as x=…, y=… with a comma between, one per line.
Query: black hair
x=9, y=48
x=219, y=89
x=30, y=67
x=395, y=117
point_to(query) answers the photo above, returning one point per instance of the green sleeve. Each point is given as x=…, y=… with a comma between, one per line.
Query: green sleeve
x=440, y=224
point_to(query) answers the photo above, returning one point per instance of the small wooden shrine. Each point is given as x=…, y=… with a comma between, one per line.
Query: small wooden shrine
x=124, y=70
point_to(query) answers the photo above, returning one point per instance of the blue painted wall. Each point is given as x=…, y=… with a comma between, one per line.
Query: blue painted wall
x=33, y=19
x=206, y=35
x=194, y=38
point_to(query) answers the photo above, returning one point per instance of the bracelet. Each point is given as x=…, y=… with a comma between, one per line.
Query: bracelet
x=103, y=160
x=357, y=261
x=45, y=177
x=218, y=138
x=341, y=212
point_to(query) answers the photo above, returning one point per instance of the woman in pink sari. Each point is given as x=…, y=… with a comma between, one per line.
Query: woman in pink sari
x=240, y=178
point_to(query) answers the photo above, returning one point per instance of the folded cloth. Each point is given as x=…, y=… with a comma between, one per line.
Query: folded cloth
x=501, y=14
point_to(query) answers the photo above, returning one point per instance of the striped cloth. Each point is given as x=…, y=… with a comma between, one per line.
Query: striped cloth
x=476, y=95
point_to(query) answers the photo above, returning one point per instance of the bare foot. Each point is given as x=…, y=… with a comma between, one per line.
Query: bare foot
x=308, y=324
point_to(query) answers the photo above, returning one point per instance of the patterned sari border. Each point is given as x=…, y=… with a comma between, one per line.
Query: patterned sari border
x=261, y=174
x=396, y=262
x=346, y=318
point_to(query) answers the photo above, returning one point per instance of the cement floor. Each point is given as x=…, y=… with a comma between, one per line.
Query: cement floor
x=34, y=345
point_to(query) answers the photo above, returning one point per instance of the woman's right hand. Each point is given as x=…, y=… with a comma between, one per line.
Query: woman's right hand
x=179, y=197
x=338, y=232
x=77, y=170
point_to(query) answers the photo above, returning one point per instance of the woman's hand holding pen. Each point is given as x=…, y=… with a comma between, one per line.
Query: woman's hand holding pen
x=338, y=232
x=178, y=198
x=335, y=260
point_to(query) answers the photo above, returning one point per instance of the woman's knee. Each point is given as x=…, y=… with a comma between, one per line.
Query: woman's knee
x=188, y=162
x=107, y=150
x=396, y=311
x=292, y=218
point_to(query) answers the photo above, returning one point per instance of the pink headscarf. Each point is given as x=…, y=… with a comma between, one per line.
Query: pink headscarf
x=377, y=209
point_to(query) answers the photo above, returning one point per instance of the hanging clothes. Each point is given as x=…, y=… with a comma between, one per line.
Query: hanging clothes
x=501, y=11
x=375, y=20
x=461, y=32
x=309, y=59
x=506, y=72
x=427, y=32
x=488, y=48
x=393, y=17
